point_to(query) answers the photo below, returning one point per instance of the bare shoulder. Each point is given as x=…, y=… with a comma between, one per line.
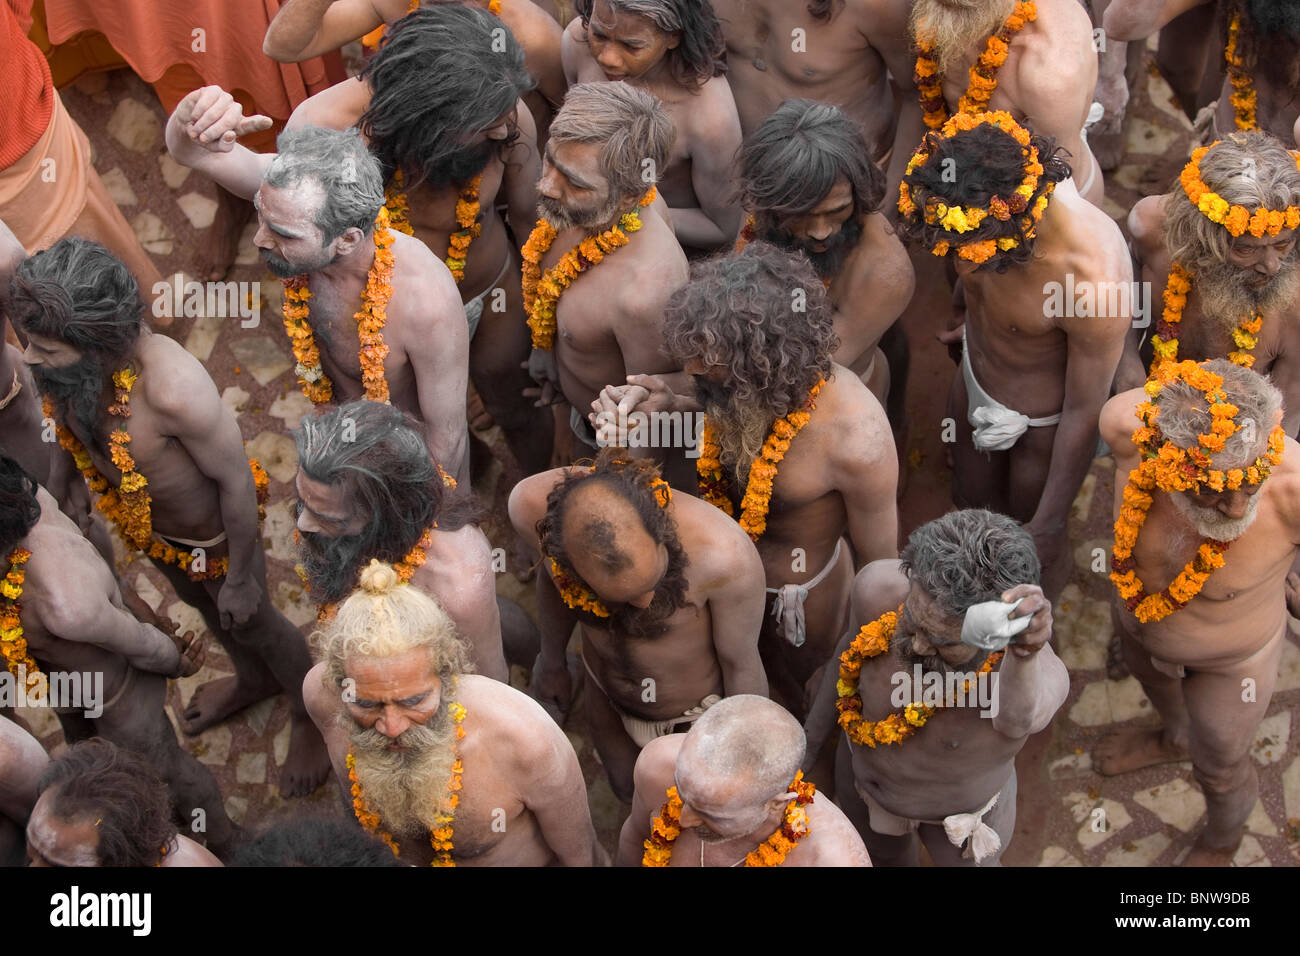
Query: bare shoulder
x=574, y=49
x=189, y=853
x=459, y=572
x=321, y=703
x=1283, y=488
x=879, y=587
x=833, y=838
x=527, y=501
x=1146, y=223
x=656, y=768
x=514, y=723
x=1119, y=420
x=854, y=419
x=170, y=375
x=337, y=107
x=21, y=754
x=723, y=550
x=648, y=279
x=883, y=274
x=1061, y=45
x=879, y=19
x=424, y=292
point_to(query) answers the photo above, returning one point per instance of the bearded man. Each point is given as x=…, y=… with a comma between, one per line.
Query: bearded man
x=439, y=106
x=103, y=806
x=74, y=620
x=674, y=50
x=926, y=619
x=405, y=722
x=321, y=231
x=1044, y=302
x=1232, y=288
x=1046, y=81
x=733, y=783
x=22, y=761
x=607, y=323
x=754, y=331
x=809, y=187
x=128, y=402
x=368, y=489
x=668, y=594
x=1256, y=42
x=1210, y=513
x=838, y=52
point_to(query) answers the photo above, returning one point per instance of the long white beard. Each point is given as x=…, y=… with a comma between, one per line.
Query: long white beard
x=408, y=787
x=958, y=29
x=1210, y=524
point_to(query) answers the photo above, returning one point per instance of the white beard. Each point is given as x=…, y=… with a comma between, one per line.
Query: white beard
x=958, y=29
x=1210, y=524
x=407, y=788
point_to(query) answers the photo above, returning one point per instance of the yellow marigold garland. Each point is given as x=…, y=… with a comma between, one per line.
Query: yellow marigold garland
x=666, y=828
x=1243, y=87
x=1172, y=469
x=128, y=506
x=983, y=75
x=370, y=321
x=13, y=646
x=440, y=837
x=542, y=292
x=957, y=220
x=1236, y=219
x=873, y=640
x=754, y=505
x=1165, y=341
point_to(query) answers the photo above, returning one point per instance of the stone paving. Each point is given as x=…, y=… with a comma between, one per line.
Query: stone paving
x=1150, y=816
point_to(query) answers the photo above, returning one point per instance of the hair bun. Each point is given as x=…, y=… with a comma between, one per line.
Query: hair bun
x=378, y=578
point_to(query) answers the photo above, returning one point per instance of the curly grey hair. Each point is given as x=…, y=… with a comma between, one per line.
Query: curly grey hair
x=1184, y=413
x=970, y=556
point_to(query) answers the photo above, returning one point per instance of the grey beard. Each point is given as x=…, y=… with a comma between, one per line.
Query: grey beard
x=1212, y=525
x=1227, y=298
x=590, y=220
x=407, y=788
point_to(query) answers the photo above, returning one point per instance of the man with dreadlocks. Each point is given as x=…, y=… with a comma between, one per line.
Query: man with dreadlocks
x=1258, y=43
x=673, y=49
x=794, y=447
x=439, y=105
x=1045, y=293
x=367, y=489
x=1207, y=509
x=668, y=593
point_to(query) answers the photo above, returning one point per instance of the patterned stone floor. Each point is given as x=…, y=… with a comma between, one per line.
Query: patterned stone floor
x=1151, y=816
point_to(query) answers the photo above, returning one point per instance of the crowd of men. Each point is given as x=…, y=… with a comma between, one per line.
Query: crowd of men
x=669, y=247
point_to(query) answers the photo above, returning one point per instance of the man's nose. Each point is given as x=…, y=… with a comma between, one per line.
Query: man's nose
x=644, y=601
x=30, y=356
x=821, y=231
x=1234, y=505
x=920, y=645
x=307, y=523
x=1270, y=263
x=392, y=724
x=263, y=237
x=548, y=185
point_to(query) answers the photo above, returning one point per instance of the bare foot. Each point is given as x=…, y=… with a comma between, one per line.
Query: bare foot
x=1206, y=854
x=308, y=763
x=1134, y=748
x=219, y=243
x=216, y=700
x=1108, y=148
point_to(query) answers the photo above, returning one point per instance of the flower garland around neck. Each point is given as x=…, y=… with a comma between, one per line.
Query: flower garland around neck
x=1236, y=219
x=873, y=640
x=1243, y=87
x=370, y=321
x=577, y=595
x=440, y=836
x=667, y=827
x=467, y=210
x=129, y=505
x=711, y=475
x=983, y=75
x=1165, y=341
x=1169, y=468
x=956, y=220
x=13, y=646
x=405, y=569
x=542, y=292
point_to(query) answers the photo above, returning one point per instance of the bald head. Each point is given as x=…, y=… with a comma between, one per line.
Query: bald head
x=743, y=751
x=603, y=525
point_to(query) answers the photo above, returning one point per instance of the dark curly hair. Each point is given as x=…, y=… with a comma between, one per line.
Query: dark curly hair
x=985, y=162
x=96, y=780
x=314, y=841
x=793, y=160
x=19, y=509
x=702, y=52
x=739, y=311
x=78, y=292
x=630, y=479
x=436, y=79
x=970, y=556
x=1269, y=40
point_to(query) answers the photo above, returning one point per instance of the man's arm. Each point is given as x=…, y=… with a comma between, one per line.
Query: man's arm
x=876, y=296
x=307, y=28
x=1032, y=683
x=864, y=470
x=1138, y=19
x=519, y=183
x=736, y=606
x=336, y=107
x=715, y=141
x=91, y=618
x=651, y=778
x=192, y=412
x=436, y=314
x=201, y=134
x=555, y=791
x=22, y=761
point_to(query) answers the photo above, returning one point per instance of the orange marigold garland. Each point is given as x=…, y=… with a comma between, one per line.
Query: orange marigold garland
x=370, y=321
x=873, y=640
x=666, y=828
x=1165, y=341
x=542, y=292
x=13, y=646
x=1171, y=469
x=467, y=210
x=440, y=836
x=128, y=506
x=754, y=505
x=405, y=568
x=1243, y=87
x=1236, y=219
x=983, y=75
